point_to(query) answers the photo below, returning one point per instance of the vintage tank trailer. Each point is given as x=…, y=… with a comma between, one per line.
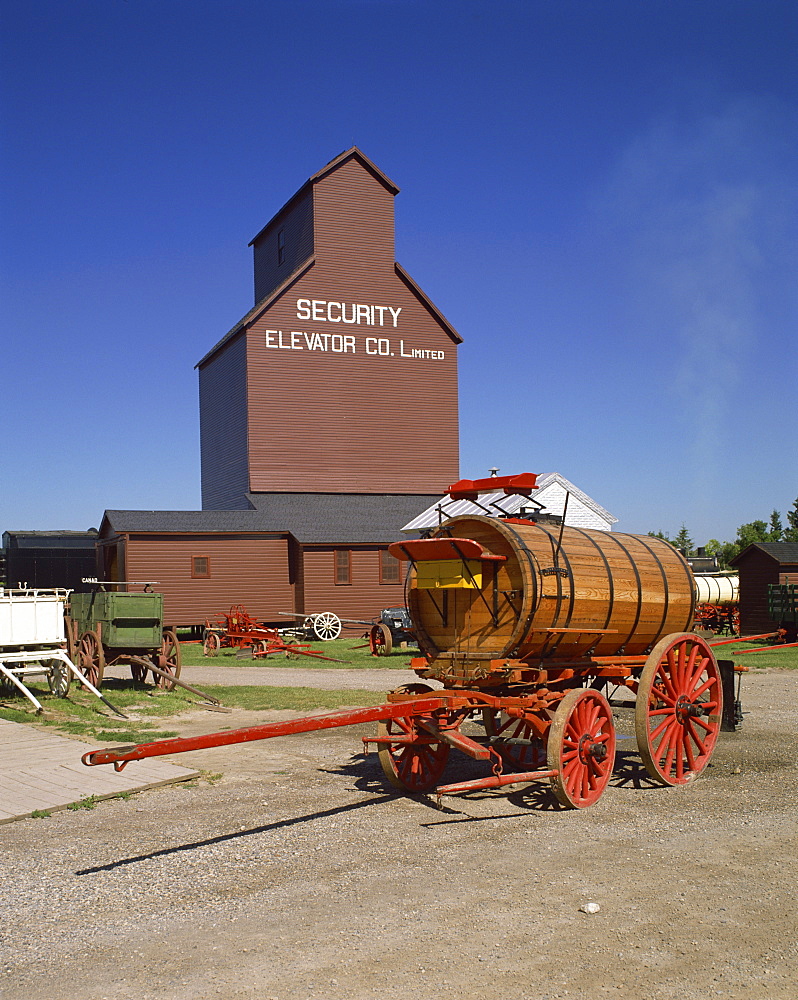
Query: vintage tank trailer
x=523, y=623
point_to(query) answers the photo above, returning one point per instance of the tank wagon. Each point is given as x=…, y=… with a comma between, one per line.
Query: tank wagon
x=717, y=603
x=522, y=624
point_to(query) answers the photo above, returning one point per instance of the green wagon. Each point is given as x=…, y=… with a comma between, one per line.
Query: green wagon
x=105, y=628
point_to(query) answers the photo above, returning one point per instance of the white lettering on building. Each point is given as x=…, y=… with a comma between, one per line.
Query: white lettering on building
x=360, y=313
x=338, y=343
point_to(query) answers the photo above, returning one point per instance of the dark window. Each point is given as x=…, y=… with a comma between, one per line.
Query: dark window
x=343, y=566
x=281, y=247
x=200, y=567
x=389, y=568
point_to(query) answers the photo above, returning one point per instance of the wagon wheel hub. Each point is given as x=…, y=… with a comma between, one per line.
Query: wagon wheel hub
x=589, y=749
x=686, y=709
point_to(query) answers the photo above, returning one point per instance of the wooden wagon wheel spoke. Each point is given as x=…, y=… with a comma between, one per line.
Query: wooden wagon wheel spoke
x=581, y=747
x=58, y=677
x=415, y=766
x=92, y=658
x=525, y=754
x=170, y=659
x=138, y=672
x=210, y=643
x=326, y=626
x=679, y=707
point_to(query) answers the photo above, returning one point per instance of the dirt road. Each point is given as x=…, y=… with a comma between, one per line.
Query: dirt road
x=298, y=875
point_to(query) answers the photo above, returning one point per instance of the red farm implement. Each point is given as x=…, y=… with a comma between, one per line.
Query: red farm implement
x=239, y=630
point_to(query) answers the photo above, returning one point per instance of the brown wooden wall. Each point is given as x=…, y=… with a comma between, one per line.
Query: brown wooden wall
x=246, y=569
x=364, y=598
x=757, y=570
x=354, y=220
x=296, y=223
x=223, y=428
x=332, y=421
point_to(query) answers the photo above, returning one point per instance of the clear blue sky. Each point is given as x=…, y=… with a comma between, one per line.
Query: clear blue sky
x=600, y=196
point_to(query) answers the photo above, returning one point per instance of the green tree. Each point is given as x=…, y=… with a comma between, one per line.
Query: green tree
x=791, y=531
x=776, y=532
x=660, y=534
x=683, y=541
x=754, y=531
x=725, y=552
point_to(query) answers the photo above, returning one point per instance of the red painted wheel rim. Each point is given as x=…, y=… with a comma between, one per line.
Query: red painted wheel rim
x=581, y=747
x=416, y=766
x=679, y=708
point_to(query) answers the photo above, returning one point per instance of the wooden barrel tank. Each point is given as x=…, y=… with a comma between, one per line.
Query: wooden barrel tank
x=554, y=592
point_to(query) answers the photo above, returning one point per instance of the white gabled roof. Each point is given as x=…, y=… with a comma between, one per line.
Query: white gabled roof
x=430, y=518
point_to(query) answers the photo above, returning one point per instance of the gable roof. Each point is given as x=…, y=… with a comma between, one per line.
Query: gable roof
x=259, y=308
x=505, y=504
x=268, y=300
x=312, y=518
x=348, y=154
x=781, y=552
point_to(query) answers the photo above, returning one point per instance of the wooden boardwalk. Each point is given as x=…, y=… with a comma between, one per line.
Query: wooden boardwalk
x=42, y=771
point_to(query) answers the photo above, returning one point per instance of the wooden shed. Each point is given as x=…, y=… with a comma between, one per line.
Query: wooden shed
x=342, y=378
x=290, y=553
x=761, y=564
x=48, y=558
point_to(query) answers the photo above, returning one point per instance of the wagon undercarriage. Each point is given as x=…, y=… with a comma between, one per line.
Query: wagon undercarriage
x=560, y=730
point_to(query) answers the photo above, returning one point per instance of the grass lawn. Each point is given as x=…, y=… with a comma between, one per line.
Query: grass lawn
x=351, y=650
x=775, y=657
x=82, y=715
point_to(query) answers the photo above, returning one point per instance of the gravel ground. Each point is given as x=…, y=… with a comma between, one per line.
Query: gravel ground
x=298, y=875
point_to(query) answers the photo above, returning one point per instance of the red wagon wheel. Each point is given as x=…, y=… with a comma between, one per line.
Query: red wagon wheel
x=412, y=766
x=581, y=747
x=92, y=658
x=679, y=708
x=169, y=659
x=210, y=644
x=528, y=752
x=380, y=640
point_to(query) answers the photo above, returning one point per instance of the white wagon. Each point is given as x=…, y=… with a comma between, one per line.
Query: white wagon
x=33, y=642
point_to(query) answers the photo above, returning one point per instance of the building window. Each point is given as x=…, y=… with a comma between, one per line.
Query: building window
x=389, y=568
x=200, y=567
x=281, y=247
x=343, y=566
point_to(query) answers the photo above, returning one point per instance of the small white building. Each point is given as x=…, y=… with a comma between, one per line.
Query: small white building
x=550, y=497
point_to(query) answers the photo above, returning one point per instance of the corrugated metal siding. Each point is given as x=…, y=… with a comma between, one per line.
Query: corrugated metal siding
x=364, y=598
x=245, y=569
x=223, y=428
x=297, y=225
